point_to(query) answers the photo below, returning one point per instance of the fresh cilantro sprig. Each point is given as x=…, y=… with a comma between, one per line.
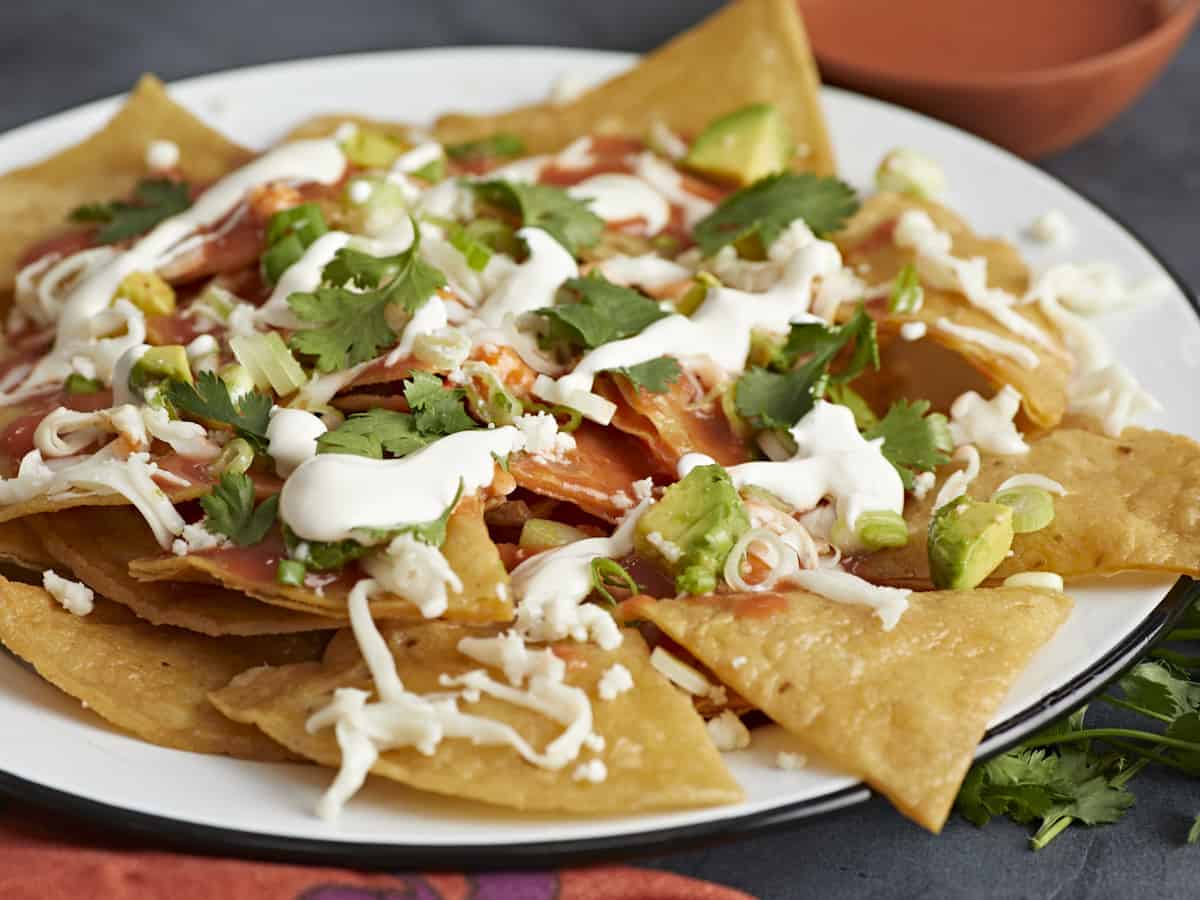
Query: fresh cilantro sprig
x=567, y=220
x=155, y=199
x=1070, y=773
x=913, y=441
x=209, y=400
x=229, y=510
x=654, y=375
x=602, y=312
x=436, y=412
x=496, y=146
x=349, y=312
x=764, y=210
x=780, y=394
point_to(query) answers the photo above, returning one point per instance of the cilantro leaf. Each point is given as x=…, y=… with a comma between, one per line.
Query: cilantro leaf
x=229, y=510
x=209, y=399
x=781, y=395
x=1193, y=835
x=766, y=208
x=155, y=199
x=372, y=433
x=604, y=312
x=567, y=220
x=496, y=146
x=1157, y=688
x=913, y=441
x=436, y=412
x=350, y=310
x=844, y=395
x=654, y=375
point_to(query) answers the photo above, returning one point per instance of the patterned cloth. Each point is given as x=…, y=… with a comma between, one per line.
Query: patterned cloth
x=40, y=860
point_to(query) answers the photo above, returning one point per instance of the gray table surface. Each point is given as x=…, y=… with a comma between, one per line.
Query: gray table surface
x=1144, y=168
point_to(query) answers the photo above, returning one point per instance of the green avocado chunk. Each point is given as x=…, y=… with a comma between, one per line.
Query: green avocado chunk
x=691, y=530
x=968, y=539
x=743, y=146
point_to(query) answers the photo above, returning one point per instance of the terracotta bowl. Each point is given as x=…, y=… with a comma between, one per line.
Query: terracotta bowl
x=1032, y=111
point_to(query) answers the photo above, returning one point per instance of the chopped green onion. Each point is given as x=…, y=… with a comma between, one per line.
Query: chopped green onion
x=844, y=395
x=291, y=572
x=371, y=149
x=269, y=362
x=444, y=350
x=237, y=380
x=497, y=146
x=1033, y=507
x=608, y=573
x=541, y=533
x=487, y=396
x=280, y=257
x=476, y=252
x=235, y=458
x=568, y=419
x=80, y=384
x=382, y=207
x=877, y=529
x=289, y=233
x=499, y=236
x=433, y=172
x=690, y=302
x=907, y=295
x=216, y=301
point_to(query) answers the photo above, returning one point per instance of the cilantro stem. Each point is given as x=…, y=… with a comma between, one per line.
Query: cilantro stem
x=1149, y=756
x=1088, y=734
x=1125, y=704
x=1184, y=634
x=1180, y=660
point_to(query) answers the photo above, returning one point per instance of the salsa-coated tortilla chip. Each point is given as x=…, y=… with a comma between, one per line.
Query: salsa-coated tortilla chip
x=20, y=546
x=919, y=370
x=867, y=242
x=1132, y=503
x=485, y=597
x=36, y=200
x=152, y=682
x=597, y=476
x=901, y=709
x=97, y=543
x=753, y=51
x=656, y=750
x=675, y=422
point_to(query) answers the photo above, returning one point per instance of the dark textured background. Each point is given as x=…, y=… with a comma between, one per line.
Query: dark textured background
x=1145, y=168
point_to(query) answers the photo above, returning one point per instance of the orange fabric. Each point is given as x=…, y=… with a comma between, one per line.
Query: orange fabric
x=41, y=862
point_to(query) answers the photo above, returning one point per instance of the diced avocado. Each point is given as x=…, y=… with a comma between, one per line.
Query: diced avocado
x=691, y=300
x=158, y=364
x=968, y=539
x=542, y=533
x=691, y=530
x=743, y=146
x=372, y=149
x=148, y=292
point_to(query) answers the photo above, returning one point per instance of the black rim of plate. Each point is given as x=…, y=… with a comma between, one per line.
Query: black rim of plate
x=192, y=837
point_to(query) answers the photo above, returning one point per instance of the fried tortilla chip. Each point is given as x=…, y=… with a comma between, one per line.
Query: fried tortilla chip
x=656, y=749
x=484, y=599
x=1133, y=503
x=37, y=199
x=19, y=546
x=902, y=709
x=150, y=681
x=98, y=543
x=597, y=476
x=674, y=423
x=753, y=51
x=867, y=241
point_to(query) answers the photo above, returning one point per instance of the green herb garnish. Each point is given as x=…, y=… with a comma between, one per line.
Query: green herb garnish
x=654, y=375
x=602, y=312
x=567, y=220
x=913, y=441
x=155, y=199
x=230, y=510
x=209, y=400
x=496, y=146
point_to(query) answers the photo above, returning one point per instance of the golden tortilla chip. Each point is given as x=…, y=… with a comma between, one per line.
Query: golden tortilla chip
x=901, y=709
x=656, y=749
x=753, y=51
x=150, y=681
x=98, y=543
x=1133, y=503
x=19, y=546
x=485, y=597
x=45, y=503
x=867, y=240
x=37, y=199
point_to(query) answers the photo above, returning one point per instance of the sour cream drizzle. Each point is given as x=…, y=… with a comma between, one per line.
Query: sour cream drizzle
x=332, y=494
x=618, y=198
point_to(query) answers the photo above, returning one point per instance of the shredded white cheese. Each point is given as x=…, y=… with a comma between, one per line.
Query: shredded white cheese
x=727, y=732
x=988, y=424
x=615, y=681
x=75, y=597
x=1048, y=580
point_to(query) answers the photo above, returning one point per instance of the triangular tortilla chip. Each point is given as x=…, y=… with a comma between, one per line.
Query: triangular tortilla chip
x=36, y=199
x=150, y=681
x=19, y=546
x=752, y=51
x=597, y=476
x=98, y=543
x=901, y=709
x=674, y=423
x=1133, y=503
x=485, y=597
x=867, y=240
x=656, y=749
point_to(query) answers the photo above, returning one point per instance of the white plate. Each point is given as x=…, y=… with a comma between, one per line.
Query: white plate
x=54, y=751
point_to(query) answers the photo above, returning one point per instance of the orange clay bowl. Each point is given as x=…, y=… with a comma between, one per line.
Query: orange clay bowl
x=1034, y=76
